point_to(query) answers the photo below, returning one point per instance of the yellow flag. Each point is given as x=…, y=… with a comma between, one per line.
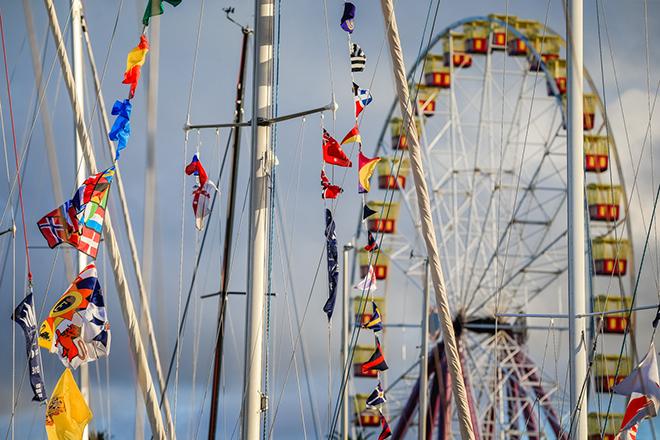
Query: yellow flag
x=67, y=413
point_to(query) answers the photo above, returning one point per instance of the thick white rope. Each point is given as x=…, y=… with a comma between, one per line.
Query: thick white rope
x=428, y=230
x=128, y=310
x=146, y=319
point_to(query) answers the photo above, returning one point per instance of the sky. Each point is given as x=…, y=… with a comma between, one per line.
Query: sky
x=197, y=85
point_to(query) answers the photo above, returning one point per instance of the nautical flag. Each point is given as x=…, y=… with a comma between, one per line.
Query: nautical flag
x=152, y=11
x=67, y=413
x=643, y=380
x=352, y=136
x=25, y=317
x=358, y=58
x=328, y=190
x=332, y=152
x=366, y=167
x=333, y=268
x=368, y=283
x=134, y=62
x=362, y=98
x=195, y=167
x=376, y=361
x=367, y=212
x=347, y=18
x=79, y=221
x=375, y=323
x=121, y=128
x=201, y=203
x=385, y=432
x=377, y=397
x=372, y=244
x=77, y=327
x=639, y=407
x=201, y=200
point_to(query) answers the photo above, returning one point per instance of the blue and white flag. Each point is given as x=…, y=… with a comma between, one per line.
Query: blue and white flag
x=377, y=397
x=333, y=268
x=25, y=317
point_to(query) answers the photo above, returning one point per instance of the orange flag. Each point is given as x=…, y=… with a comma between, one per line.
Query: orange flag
x=134, y=62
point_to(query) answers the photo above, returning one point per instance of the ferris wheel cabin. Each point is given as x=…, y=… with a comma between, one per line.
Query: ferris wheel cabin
x=603, y=201
x=399, y=133
x=436, y=74
x=596, y=153
x=454, y=48
x=613, y=322
x=610, y=256
x=393, y=172
x=363, y=312
x=380, y=265
x=365, y=416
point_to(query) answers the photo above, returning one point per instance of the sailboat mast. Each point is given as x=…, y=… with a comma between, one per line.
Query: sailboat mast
x=428, y=231
x=254, y=401
x=423, y=360
x=229, y=235
x=577, y=298
x=78, y=164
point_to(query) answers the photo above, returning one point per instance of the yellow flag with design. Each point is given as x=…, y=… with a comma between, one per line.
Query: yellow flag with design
x=67, y=413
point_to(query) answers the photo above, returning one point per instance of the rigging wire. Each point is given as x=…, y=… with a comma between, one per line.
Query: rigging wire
x=13, y=133
x=363, y=299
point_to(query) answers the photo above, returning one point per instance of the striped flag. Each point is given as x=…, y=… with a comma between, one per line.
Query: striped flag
x=352, y=136
x=358, y=58
x=375, y=323
x=376, y=361
x=385, y=432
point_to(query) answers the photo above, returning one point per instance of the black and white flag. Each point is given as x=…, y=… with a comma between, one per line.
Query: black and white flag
x=25, y=317
x=358, y=58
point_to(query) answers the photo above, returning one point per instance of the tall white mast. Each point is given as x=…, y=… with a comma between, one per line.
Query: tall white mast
x=577, y=298
x=254, y=401
x=79, y=165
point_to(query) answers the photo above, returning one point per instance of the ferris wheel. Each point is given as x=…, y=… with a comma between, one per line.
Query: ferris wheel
x=490, y=100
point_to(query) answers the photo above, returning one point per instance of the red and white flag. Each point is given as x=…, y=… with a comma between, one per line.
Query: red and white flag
x=643, y=386
x=638, y=409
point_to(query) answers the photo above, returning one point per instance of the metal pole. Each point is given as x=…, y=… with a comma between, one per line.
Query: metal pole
x=576, y=247
x=345, y=328
x=149, y=192
x=79, y=165
x=428, y=231
x=423, y=363
x=229, y=234
x=254, y=401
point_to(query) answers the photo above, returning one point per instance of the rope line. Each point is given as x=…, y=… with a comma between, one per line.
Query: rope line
x=13, y=134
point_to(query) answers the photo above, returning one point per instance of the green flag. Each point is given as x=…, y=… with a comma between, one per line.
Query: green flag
x=152, y=9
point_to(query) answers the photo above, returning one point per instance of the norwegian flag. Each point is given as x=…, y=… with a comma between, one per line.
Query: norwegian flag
x=53, y=228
